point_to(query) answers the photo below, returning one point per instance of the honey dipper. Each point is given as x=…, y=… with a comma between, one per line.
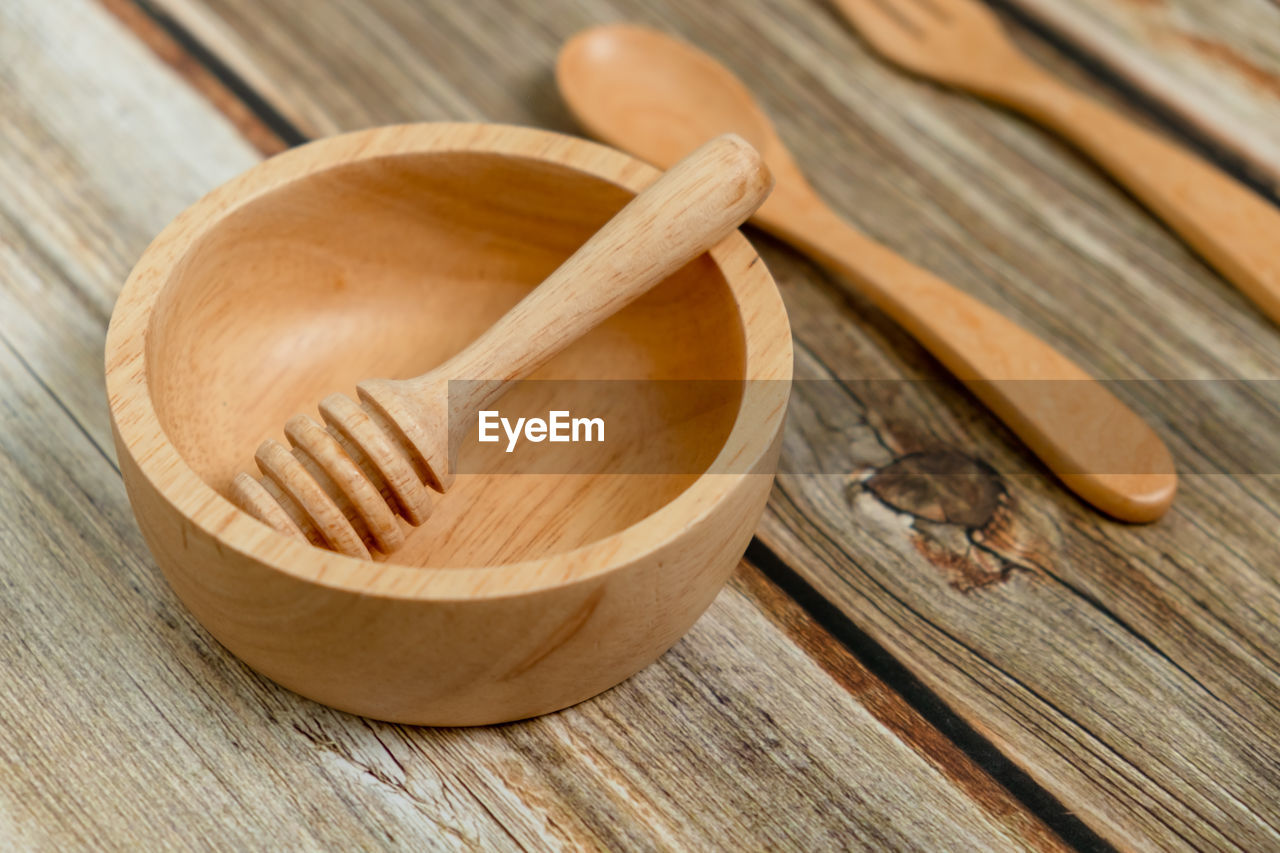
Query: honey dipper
x=342, y=485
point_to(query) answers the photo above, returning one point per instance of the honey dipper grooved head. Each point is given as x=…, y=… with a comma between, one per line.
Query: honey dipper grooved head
x=341, y=486
x=367, y=504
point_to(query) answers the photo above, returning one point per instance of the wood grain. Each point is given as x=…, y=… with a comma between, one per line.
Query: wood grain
x=1230, y=225
x=1131, y=672
x=1213, y=65
x=196, y=74
x=124, y=726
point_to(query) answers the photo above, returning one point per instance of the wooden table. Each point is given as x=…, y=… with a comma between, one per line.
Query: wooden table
x=900, y=662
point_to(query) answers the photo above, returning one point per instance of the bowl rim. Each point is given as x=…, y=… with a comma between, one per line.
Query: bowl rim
x=767, y=339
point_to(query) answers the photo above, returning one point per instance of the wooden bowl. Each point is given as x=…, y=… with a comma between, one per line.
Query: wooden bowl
x=381, y=253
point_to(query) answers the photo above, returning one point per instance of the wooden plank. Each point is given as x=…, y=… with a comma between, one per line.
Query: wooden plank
x=736, y=733
x=1132, y=671
x=197, y=75
x=76, y=216
x=124, y=726
x=1212, y=64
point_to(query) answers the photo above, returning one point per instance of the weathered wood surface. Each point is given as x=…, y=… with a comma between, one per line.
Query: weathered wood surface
x=124, y=726
x=1133, y=672
x=1213, y=64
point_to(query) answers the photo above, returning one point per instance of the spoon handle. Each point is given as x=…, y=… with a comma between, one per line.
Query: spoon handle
x=1232, y=227
x=1096, y=445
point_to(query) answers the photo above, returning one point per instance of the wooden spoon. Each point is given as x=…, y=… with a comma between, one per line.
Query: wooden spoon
x=658, y=97
x=342, y=486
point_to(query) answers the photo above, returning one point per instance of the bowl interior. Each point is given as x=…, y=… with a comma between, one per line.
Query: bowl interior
x=385, y=267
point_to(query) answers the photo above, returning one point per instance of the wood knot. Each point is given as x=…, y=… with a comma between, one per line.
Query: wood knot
x=962, y=518
x=941, y=486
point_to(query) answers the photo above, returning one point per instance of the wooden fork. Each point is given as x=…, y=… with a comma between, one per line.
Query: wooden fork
x=961, y=43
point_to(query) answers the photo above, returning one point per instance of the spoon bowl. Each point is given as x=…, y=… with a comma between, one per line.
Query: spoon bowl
x=633, y=87
x=660, y=98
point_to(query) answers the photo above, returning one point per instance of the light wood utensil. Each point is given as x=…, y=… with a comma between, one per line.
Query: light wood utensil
x=342, y=485
x=659, y=98
x=961, y=43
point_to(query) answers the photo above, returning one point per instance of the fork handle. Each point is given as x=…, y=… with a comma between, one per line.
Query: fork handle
x=1096, y=445
x=1232, y=227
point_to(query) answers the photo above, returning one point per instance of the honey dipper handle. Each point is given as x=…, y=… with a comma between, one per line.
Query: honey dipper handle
x=685, y=212
x=690, y=208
